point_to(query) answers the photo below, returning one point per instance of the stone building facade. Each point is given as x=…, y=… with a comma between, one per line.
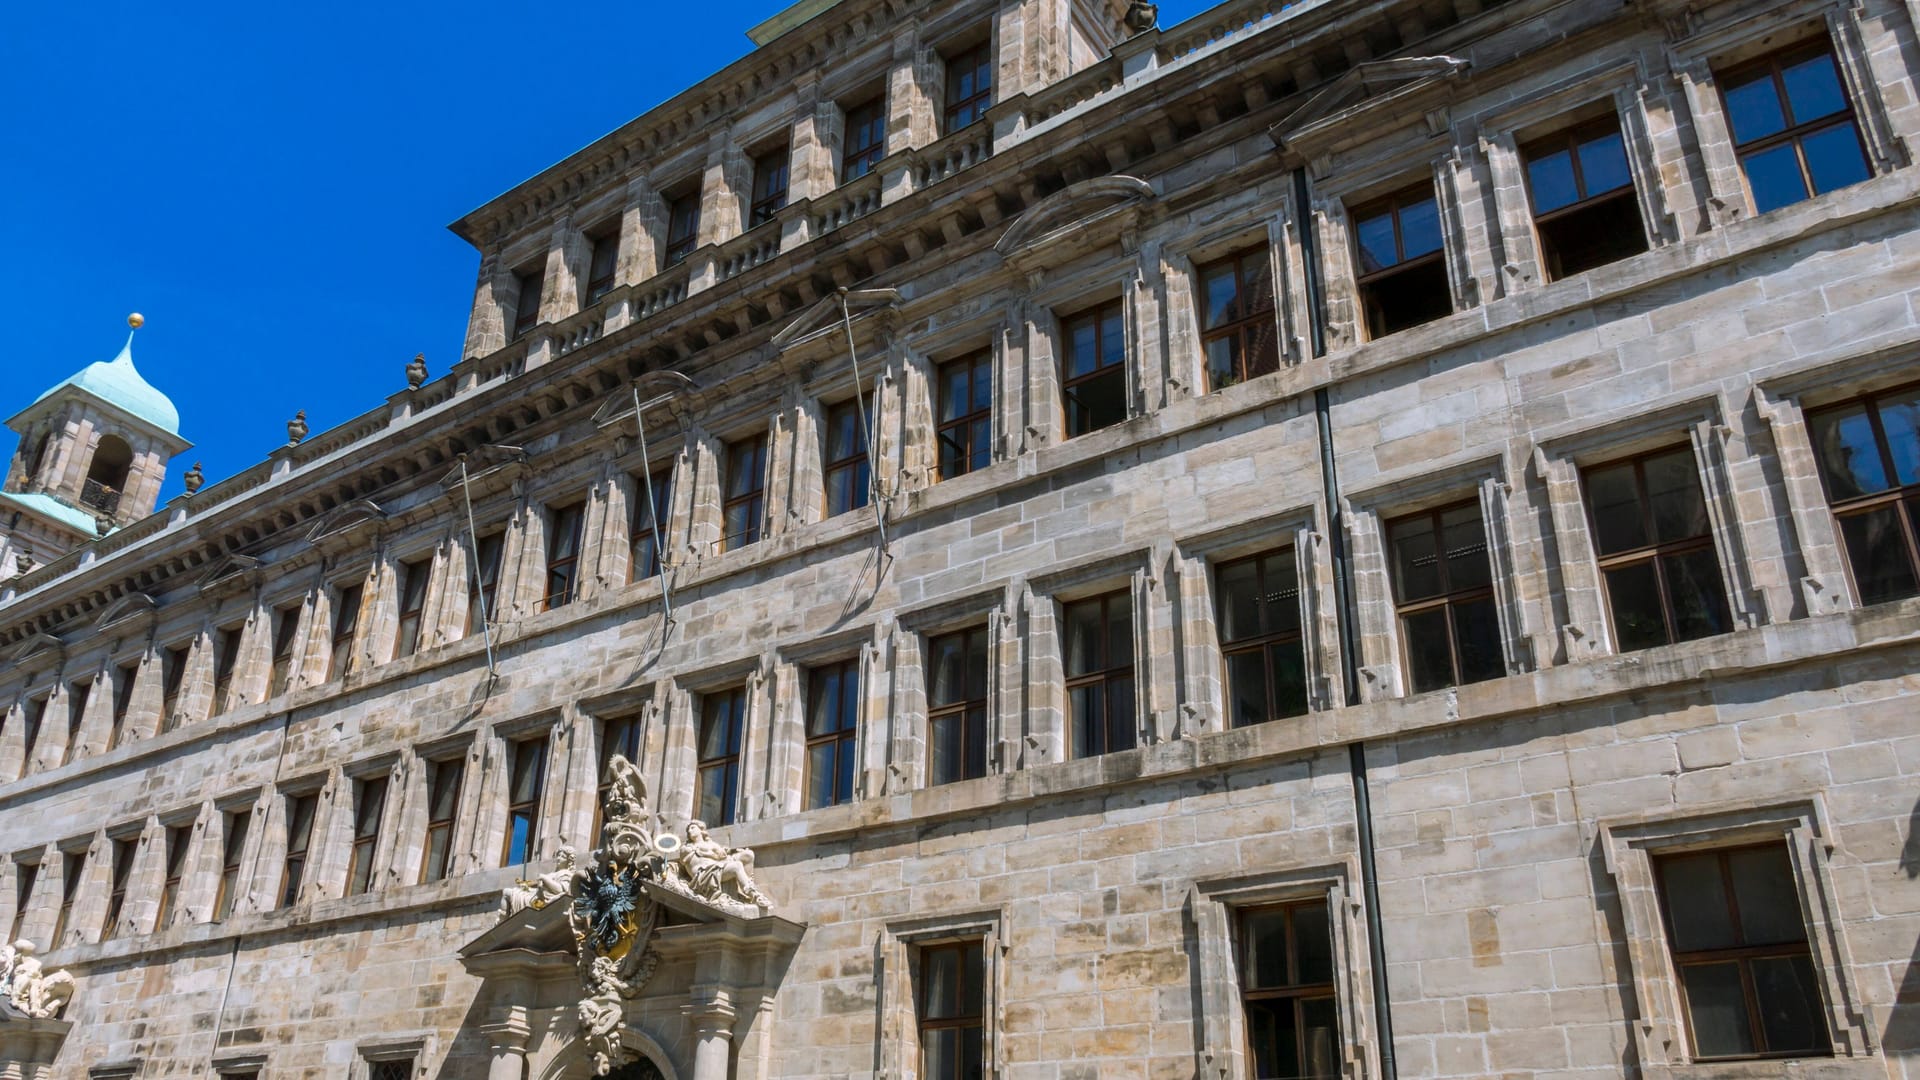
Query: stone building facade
x=1372, y=540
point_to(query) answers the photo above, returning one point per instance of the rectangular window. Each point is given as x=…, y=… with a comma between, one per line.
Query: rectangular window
x=563, y=553
x=849, y=482
x=969, y=87
x=1655, y=544
x=390, y=1070
x=1403, y=277
x=1443, y=594
x=173, y=673
x=300, y=811
x=233, y=842
x=1258, y=600
x=73, y=865
x=1793, y=126
x=24, y=876
x=346, y=621
x=226, y=656
x=957, y=706
x=723, y=717
x=443, y=809
x=603, y=261
x=1097, y=639
x=1094, y=370
x=35, y=715
x=77, y=696
x=1739, y=946
x=526, y=780
x=950, y=1010
x=369, y=803
x=526, y=310
x=124, y=678
x=744, y=500
x=769, y=187
x=618, y=735
x=413, y=603
x=176, y=850
x=1869, y=454
x=652, y=510
x=482, y=608
x=122, y=865
x=833, y=721
x=286, y=624
x=1237, y=331
x=1584, y=209
x=866, y=139
x=683, y=227
x=1286, y=988
x=965, y=430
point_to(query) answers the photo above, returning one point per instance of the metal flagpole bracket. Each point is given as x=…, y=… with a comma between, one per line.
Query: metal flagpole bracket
x=662, y=388
x=865, y=403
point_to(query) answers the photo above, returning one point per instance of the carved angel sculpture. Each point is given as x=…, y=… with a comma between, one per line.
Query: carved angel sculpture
x=710, y=867
x=542, y=890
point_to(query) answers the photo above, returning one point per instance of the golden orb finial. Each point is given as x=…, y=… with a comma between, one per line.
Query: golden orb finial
x=136, y=320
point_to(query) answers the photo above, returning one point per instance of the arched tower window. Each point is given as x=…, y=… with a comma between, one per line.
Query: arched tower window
x=39, y=458
x=107, y=474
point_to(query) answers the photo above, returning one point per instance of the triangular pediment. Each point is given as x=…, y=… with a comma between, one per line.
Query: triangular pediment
x=827, y=311
x=1361, y=87
x=227, y=566
x=532, y=930
x=344, y=517
x=1074, y=206
x=653, y=390
x=485, y=465
x=41, y=646
x=132, y=605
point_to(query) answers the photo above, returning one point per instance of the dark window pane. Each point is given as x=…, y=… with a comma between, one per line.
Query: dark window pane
x=1289, y=679
x=1476, y=633
x=1698, y=597
x=1774, y=176
x=1697, y=902
x=1377, y=249
x=1319, y=1039
x=1120, y=725
x=1246, y=689
x=1313, y=944
x=1900, y=419
x=1465, y=542
x=1239, y=585
x=1084, y=705
x=1416, y=563
x=1276, y=1046
x=1813, y=88
x=1673, y=490
x=1719, y=1010
x=1834, y=158
x=947, y=751
x=1877, y=551
x=1419, y=228
x=1790, y=1005
x=1633, y=594
x=1429, y=662
x=1082, y=638
x=1603, y=163
x=1769, y=903
x=975, y=744
x=1097, y=403
x=1617, y=523
x=1550, y=177
x=1266, y=949
x=1848, y=453
x=1753, y=108
x=1219, y=289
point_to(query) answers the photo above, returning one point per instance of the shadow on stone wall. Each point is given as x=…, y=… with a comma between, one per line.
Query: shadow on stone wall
x=1903, y=1027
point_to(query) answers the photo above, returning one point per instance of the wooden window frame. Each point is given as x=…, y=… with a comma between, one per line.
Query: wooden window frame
x=286, y=634
x=768, y=200
x=1570, y=139
x=842, y=741
x=366, y=835
x=969, y=712
x=1653, y=551
x=683, y=228
x=293, y=865
x=645, y=549
x=73, y=866
x=1261, y=643
x=1447, y=598
x=416, y=577
x=957, y=112
x=1741, y=955
x=857, y=159
x=121, y=851
x=727, y=763
x=174, y=845
x=226, y=657
x=834, y=469
x=1892, y=498
x=963, y=950
x=1105, y=674
x=528, y=808
x=566, y=521
x=346, y=628
x=1795, y=133
x=1097, y=315
x=484, y=592
x=1247, y=330
x=1293, y=991
x=959, y=430
x=603, y=275
x=456, y=766
x=233, y=843
x=1364, y=280
x=527, y=316
x=753, y=499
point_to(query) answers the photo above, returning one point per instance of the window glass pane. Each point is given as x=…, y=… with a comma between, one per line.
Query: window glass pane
x=1246, y=689
x=1239, y=600
x=947, y=761
x=1113, y=339
x=1313, y=942
x=1082, y=347
x=1673, y=492
x=1603, y=163
x=1877, y=551
x=1465, y=543
x=1774, y=176
x=1083, y=637
x=1087, y=719
x=1223, y=361
x=976, y=664
x=1699, y=599
x=1697, y=902
x=1375, y=237
x=1256, y=277
x=1633, y=594
x=1900, y=419
x=1266, y=948
x=1119, y=612
x=983, y=384
x=522, y=829
x=715, y=805
x=1550, y=177
x=941, y=977
x=1275, y=1044
x=970, y=1061
x=1419, y=228
x=1282, y=601
x=954, y=393
x=1719, y=1010
x=1416, y=569
x=1120, y=720
x=1289, y=678
x=948, y=677
x=1319, y=1038
x=1617, y=524
x=1769, y=903
x=942, y=1049
x=1476, y=634
x=974, y=743
x=1834, y=158
x=1848, y=453
x=1813, y=88
x=1219, y=290
x=1753, y=107
x=1429, y=663
x=1790, y=1004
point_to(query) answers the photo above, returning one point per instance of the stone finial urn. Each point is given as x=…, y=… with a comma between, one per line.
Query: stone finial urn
x=297, y=428
x=194, y=478
x=417, y=371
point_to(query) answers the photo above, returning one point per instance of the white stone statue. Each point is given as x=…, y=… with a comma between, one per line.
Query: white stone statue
x=40, y=994
x=717, y=873
x=542, y=890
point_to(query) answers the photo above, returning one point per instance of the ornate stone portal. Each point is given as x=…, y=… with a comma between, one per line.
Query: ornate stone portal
x=615, y=903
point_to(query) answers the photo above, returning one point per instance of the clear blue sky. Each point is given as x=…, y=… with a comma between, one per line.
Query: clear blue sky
x=270, y=184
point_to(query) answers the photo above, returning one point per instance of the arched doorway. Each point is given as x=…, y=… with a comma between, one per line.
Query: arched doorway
x=640, y=1068
x=107, y=473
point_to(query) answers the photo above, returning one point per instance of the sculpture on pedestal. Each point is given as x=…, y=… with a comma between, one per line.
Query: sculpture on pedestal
x=28, y=988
